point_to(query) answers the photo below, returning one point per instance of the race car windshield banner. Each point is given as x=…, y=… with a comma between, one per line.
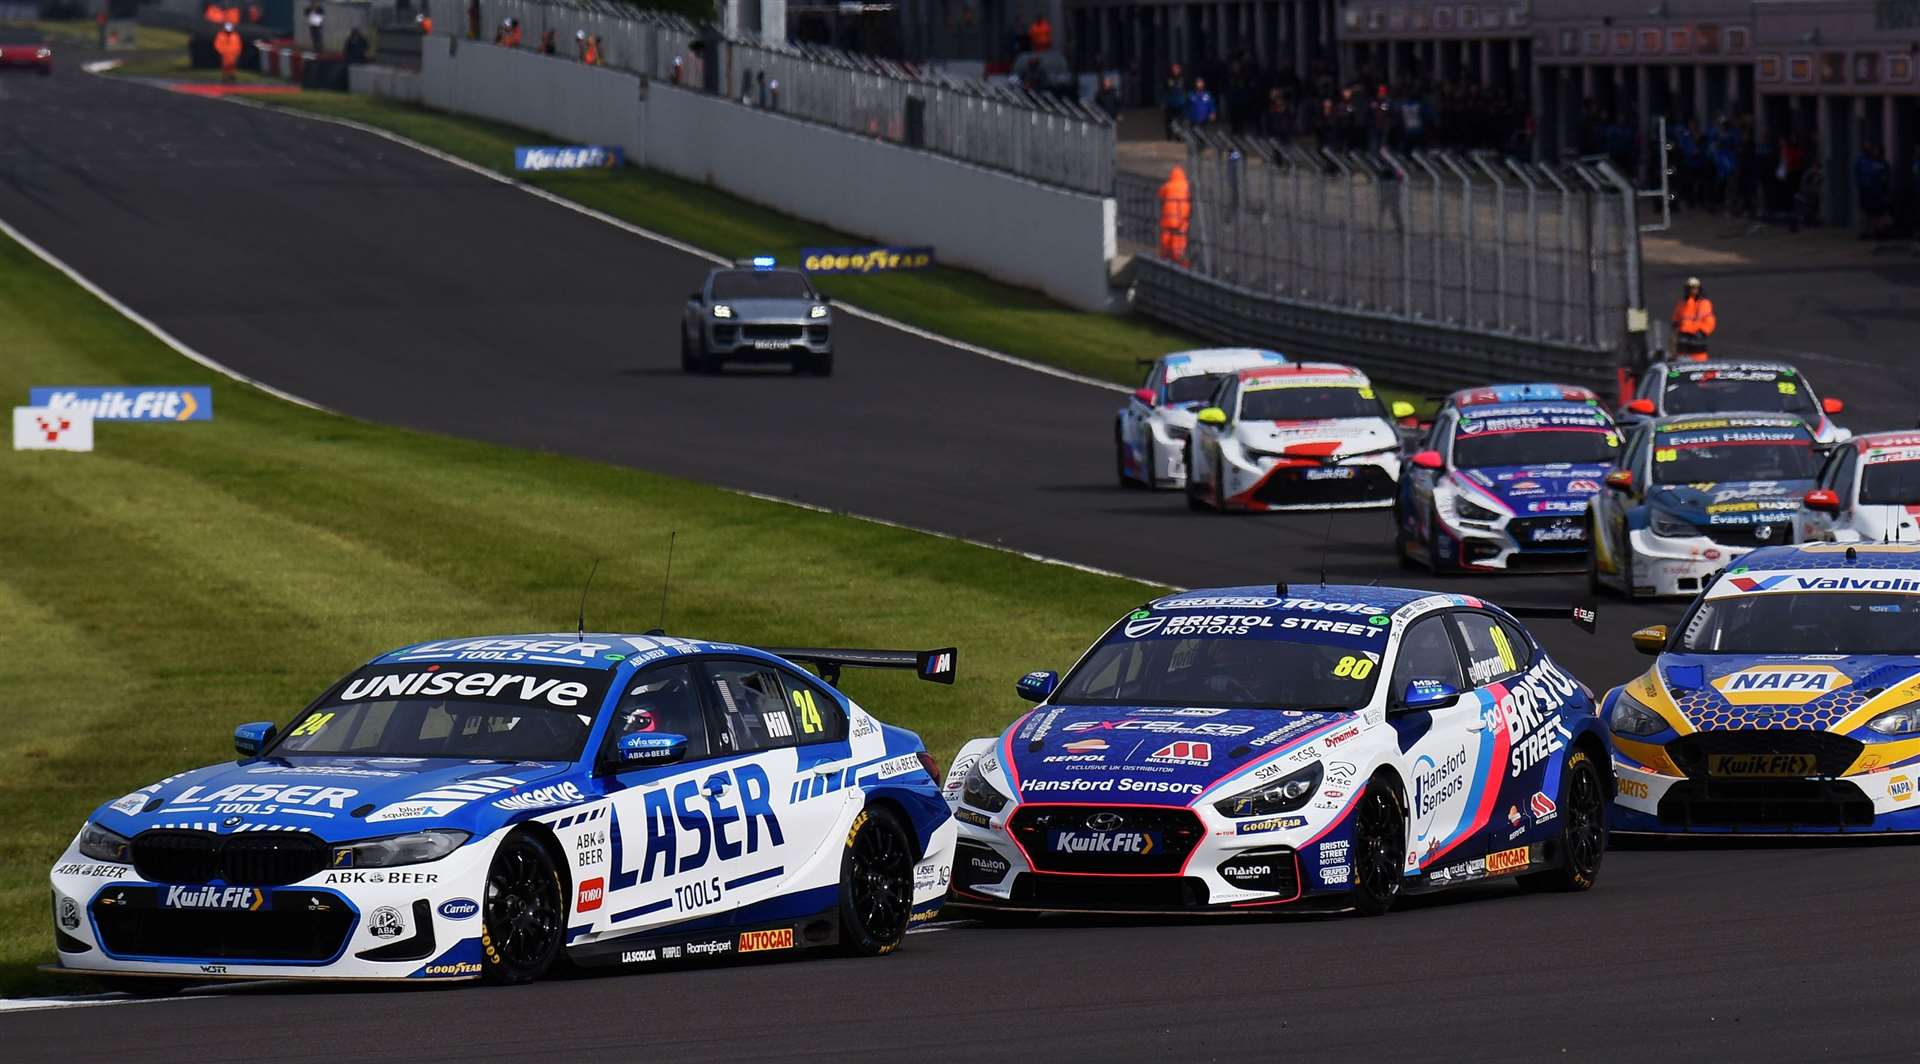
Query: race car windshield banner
x=508, y=683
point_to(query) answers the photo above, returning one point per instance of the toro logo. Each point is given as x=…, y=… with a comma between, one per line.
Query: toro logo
x=756, y=941
x=592, y=892
x=1184, y=752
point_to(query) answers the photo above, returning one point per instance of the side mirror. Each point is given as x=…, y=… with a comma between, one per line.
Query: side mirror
x=1825, y=500
x=694, y=297
x=250, y=739
x=641, y=749
x=1036, y=686
x=1641, y=406
x=1620, y=480
x=1428, y=460
x=1212, y=415
x=1401, y=408
x=1145, y=395
x=1832, y=405
x=1651, y=639
x=1428, y=694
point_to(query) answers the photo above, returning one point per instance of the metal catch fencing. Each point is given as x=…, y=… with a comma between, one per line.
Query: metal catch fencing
x=1477, y=245
x=1041, y=137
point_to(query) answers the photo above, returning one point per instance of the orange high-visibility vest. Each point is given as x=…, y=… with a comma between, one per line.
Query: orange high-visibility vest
x=227, y=44
x=1694, y=314
x=1176, y=209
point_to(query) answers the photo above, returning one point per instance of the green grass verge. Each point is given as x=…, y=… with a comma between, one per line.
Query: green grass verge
x=185, y=578
x=83, y=33
x=951, y=302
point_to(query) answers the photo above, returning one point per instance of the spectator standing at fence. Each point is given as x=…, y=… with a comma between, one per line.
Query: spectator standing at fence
x=226, y=44
x=1108, y=98
x=425, y=22
x=357, y=46
x=1693, y=322
x=316, y=25
x=1173, y=98
x=1873, y=182
x=1200, y=106
x=1176, y=210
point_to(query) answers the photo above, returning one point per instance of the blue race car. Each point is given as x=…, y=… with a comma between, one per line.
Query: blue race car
x=1787, y=700
x=1504, y=478
x=478, y=808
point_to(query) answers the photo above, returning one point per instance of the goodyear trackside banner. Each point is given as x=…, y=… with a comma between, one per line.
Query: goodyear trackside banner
x=864, y=260
x=130, y=404
x=570, y=157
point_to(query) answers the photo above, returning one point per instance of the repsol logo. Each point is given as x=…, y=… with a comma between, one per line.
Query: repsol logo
x=692, y=822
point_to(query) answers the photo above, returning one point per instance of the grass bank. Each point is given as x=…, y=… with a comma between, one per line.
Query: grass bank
x=184, y=578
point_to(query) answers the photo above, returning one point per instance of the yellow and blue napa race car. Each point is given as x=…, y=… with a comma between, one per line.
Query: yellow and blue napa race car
x=1786, y=701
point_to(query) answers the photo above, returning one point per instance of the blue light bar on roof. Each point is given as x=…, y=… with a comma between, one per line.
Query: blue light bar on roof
x=763, y=262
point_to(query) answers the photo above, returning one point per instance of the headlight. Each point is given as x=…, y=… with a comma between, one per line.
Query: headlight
x=1902, y=721
x=1283, y=795
x=980, y=794
x=103, y=845
x=721, y=310
x=1668, y=526
x=819, y=311
x=44, y=53
x=1473, y=511
x=399, y=849
x=1632, y=717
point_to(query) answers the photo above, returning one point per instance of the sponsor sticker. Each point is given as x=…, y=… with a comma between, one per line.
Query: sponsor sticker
x=865, y=259
x=160, y=403
x=459, y=908
x=37, y=428
x=567, y=157
x=1900, y=788
x=1507, y=861
x=760, y=941
x=592, y=893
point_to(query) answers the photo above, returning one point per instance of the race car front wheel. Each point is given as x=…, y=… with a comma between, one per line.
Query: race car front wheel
x=1583, y=829
x=526, y=913
x=1379, y=843
x=876, y=884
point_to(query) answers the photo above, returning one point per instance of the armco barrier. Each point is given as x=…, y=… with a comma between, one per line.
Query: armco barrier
x=1426, y=355
x=1004, y=226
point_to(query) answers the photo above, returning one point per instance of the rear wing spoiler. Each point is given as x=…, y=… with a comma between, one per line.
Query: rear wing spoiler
x=1582, y=614
x=935, y=666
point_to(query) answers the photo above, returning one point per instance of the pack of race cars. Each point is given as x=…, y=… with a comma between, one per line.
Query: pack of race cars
x=491, y=807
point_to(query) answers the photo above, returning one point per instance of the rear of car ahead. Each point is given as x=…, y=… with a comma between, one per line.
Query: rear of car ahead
x=1786, y=701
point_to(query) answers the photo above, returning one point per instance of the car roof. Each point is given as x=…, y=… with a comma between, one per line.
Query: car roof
x=1533, y=393
x=1272, y=597
x=1883, y=441
x=595, y=650
x=1869, y=556
x=1730, y=364
x=1304, y=373
x=1744, y=419
x=1218, y=360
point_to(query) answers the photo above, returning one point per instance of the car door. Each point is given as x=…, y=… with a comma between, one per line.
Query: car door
x=1495, y=655
x=1814, y=526
x=791, y=777
x=1135, y=416
x=1611, y=505
x=1443, y=750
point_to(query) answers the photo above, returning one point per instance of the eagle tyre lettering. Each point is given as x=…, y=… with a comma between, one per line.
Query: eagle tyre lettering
x=525, y=913
x=876, y=883
x=1379, y=845
x=1583, y=838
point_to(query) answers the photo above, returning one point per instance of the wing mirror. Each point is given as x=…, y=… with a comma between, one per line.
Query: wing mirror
x=1145, y=395
x=641, y=749
x=1620, y=480
x=1401, y=408
x=1428, y=694
x=1428, y=460
x=250, y=739
x=1832, y=405
x=1036, y=686
x=1651, y=639
x=1212, y=415
x=1825, y=500
x=1640, y=406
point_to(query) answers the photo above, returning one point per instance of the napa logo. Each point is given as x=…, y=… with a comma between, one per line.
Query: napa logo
x=1780, y=685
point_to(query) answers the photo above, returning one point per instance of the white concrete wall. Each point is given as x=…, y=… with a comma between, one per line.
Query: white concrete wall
x=1012, y=229
x=391, y=83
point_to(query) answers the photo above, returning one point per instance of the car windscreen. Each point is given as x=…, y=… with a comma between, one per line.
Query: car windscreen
x=1534, y=446
x=1823, y=622
x=1890, y=483
x=503, y=712
x=760, y=284
x=1197, y=388
x=1213, y=665
x=1712, y=391
x=1710, y=457
x=1307, y=403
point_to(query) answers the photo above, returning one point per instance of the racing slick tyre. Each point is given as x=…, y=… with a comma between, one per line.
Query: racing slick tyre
x=1219, y=485
x=1120, y=461
x=1583, y=829
x=1193, y=494
x=1402, y=550
x=1433, y=552
x=1379, y=843
x=688, y=364
x=525, y=921
x=876, y=884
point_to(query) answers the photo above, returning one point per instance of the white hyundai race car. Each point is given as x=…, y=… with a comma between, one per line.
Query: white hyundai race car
x=1307, y=435
x=1150, y=432
x=1868, y=492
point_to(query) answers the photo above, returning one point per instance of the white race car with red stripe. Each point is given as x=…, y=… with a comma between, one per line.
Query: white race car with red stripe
x=1324, y=746
x=1868, y=492
x=1309, y=435
x=1150, y=433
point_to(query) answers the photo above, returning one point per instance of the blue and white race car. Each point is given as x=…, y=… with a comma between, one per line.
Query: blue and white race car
x=1720, y=385
x=478, y=808
x=1150, y=433
x=1786, y=700
x=1241, y=749
x=1504, y=478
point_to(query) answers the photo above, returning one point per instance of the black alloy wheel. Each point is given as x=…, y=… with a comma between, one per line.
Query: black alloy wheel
x=526, y=913
x=1583, y=830
x=1379, y=847
x=876, y=884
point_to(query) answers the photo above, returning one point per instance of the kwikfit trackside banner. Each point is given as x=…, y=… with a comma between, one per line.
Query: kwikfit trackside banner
x=130, y=404
x=572, y=157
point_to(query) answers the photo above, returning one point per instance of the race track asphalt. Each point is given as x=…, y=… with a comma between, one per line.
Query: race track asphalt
x=377, y=281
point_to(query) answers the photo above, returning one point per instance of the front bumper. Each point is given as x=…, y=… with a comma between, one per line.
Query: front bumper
x=1663, y=567
x=413, y=922
x=769, y=341
x=1168, y=467
x=1537, y=543
x=1655, y=802
x=1264, y=484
